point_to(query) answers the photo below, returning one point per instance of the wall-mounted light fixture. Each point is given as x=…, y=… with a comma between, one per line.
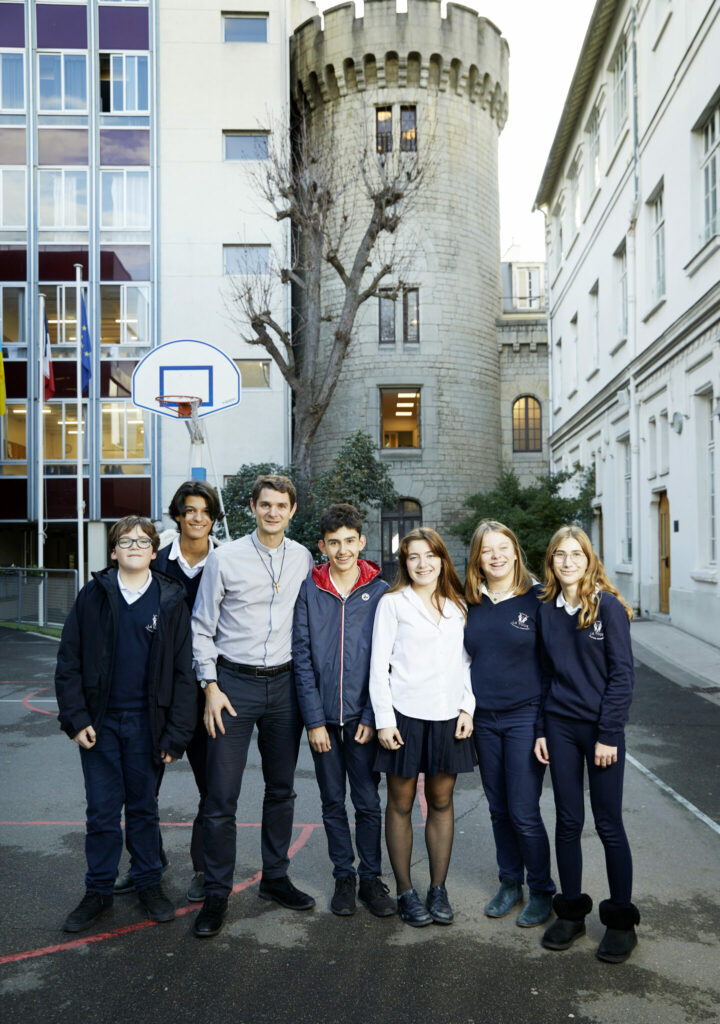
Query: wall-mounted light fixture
x=677, y=422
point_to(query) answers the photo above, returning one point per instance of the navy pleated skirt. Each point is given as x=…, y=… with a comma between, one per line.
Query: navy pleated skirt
x=429, y=747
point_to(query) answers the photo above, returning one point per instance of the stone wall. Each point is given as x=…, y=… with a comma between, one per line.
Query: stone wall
x=522, y=344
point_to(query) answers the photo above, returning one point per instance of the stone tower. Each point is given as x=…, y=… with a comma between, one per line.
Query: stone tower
x=431, y=356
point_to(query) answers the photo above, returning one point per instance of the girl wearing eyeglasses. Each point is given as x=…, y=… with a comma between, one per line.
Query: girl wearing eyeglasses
x=423, y=704
x=584, y=623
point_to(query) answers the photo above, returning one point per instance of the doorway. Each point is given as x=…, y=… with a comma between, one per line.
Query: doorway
x=664, y=552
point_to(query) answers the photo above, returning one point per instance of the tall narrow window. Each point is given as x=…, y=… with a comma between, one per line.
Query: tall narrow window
x=658, y=232
x=386, y=319
x=125, y=198
x=12, y=197
x=411, y=316
x=527, y=425
x=12, y=315
x=573, y=360
x=622, y=289
x=557, y=370
x=12, y=81
x=574, y=200
x=652, y=448
x=664, y=442
x=400, y=417
x=408, y=129
x=124, y=83
x=383, y=129
x=711, y=495
x=626, y=466
x=619, y=75
x=706, y=477
x=593, y=151
x=595, y=323
x=62, y=195
x=395, y=523
x=710, y=166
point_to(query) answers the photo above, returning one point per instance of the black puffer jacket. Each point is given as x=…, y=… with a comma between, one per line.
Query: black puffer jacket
x=87, y=652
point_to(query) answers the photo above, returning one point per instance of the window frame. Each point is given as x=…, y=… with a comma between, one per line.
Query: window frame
x=384, y=130
x=382, y=299
x=618, y=69
x=247, y=247
x=238, y=16
x=126, y=172
x=124, y=288
x=240, y=133
x=522, y=432
x=408, y=135
x=710, y=171
x=407, y=321
x=124, y=56
x=407, y=393
x=657, y=212
x=15, y=169
x=108, y=406
x=9, y=52
x=62, y=55
x=65, y=172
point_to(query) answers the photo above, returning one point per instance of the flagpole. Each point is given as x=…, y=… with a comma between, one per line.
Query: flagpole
x=41, y=435
x=80, y=431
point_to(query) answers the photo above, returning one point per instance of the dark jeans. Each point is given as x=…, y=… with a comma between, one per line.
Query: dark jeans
x=271, y=704
x=512, y=778
x=119, y=770
x=354, y=761
x=197, y=757
x=571, y=745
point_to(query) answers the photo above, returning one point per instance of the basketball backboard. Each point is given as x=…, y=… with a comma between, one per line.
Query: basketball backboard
x=186, y=368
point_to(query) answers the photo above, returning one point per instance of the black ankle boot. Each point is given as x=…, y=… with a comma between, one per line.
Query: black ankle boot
x=570, y=923
x=619, y=939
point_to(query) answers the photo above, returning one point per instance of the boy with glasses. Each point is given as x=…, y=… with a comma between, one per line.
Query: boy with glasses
x=195, y=507
x=127, y=697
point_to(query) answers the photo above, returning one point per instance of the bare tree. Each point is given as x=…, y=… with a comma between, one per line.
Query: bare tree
x=345, y=211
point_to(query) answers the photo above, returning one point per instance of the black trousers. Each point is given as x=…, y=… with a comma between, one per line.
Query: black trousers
x=271, y=704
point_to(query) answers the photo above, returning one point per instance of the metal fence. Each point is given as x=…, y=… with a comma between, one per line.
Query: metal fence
x=40, y=597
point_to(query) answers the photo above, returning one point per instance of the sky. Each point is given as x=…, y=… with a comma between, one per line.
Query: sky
x=545, y=37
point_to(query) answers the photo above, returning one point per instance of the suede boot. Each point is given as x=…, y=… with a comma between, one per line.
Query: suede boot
x=619, y=939
x=570, y=923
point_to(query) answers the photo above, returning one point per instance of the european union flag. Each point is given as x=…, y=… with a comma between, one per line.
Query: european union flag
x=85, y=349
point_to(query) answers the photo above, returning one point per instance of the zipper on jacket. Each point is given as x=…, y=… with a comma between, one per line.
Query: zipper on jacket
x=342, y=654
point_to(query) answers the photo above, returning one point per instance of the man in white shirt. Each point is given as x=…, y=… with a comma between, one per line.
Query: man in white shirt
x=242, y=624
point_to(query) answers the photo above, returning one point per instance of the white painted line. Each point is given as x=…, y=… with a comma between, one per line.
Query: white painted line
x=676, y=796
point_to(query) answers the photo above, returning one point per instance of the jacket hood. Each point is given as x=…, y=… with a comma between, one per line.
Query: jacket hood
x=368, y=571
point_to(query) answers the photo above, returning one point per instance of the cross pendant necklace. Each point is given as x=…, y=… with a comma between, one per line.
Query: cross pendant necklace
x=269, y=570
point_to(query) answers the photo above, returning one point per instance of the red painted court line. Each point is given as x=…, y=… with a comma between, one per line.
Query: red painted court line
x=163, y=824
x=31, y=707
x=29, y=954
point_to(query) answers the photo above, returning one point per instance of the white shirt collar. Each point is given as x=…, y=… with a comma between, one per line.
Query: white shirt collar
x=500, y=600
x=134, y=595
x=176, y=555
x=560, y=602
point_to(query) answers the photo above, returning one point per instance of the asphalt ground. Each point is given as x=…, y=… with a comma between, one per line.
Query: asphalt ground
x=272, y=965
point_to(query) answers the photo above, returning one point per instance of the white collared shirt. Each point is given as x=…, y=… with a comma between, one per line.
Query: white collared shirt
x=417, y=665
x=505, y=597
x=175, y=554
x=131, y=596
x=571, y=609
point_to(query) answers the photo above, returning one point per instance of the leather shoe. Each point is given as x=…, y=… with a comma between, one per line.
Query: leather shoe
x=504, y=899
x=196, y=889
x=438, y=905
x=412, y=911
x=536, y=910
x=210, y=919
x=156, y=904
x=284, y=892
x=90, y=907
x=376, y=896
x=124, y=883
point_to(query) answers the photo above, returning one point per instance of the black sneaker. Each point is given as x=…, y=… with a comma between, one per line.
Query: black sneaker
x=124, y=883
x=210, y=919
x=376, y=896
x=90, y=907
x=284, y=892
x=343, y=901
x=157, y=906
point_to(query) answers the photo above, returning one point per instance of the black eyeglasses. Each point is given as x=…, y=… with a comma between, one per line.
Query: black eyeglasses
x=128, y=542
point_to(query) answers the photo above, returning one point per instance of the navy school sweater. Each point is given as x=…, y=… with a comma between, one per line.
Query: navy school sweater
x=137, y=625
x=592, y=669
x=171, y=567
x=504, y=644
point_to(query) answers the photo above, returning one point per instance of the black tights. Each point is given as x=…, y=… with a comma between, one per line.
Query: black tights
x=439, y=828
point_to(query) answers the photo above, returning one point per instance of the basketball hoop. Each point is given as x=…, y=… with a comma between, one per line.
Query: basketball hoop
x=185, y=405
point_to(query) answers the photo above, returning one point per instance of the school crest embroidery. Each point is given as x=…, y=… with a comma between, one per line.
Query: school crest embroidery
x=366, y=597
x=152, y=626
x=597, y=633
x=521, y=622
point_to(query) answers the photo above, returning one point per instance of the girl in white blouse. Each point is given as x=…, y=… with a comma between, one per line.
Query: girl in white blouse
x=423, y=703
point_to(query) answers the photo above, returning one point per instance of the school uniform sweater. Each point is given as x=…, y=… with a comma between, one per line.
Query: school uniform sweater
x=137, y=625
x=592, y=669
x=504, y=644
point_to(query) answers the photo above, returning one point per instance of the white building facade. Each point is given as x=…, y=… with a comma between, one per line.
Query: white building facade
x=630, y=194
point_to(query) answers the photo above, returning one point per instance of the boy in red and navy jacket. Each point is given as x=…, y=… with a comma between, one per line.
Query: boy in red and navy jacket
x=332, y=637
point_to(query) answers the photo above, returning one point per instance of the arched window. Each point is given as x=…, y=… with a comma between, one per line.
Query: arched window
x=396, y=522
x=527, y=424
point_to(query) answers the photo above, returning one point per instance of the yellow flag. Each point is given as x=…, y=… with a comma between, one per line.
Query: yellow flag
x=2, y=385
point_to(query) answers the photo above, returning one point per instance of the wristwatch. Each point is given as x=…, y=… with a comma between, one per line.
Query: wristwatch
x=206, y=682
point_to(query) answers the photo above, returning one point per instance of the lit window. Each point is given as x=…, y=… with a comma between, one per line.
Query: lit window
x=123, y=432
x=13, y=437
x=245, y=145
x=254, y=373
x=60, y=312
x=12, y=313
x=124, y=83
x=125, y=198
x=124, y=314
x=246, y=259
x=619, y=74
x=527, y=425
x=61, y=431
x=400, y=417
x=710, y=166
x=62, y=195
x=245, y=28
x=62, y=82
x=408, y=129
x=12, y=197
x=12, y=81
x=383, y=129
